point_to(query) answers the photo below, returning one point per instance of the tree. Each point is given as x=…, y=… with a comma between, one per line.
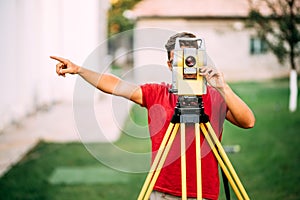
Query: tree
x=277, y=22
x=117, y=22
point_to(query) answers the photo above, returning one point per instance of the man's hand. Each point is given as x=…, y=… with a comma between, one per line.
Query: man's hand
x=238, y=111
x=214, y=77
x=65, y=66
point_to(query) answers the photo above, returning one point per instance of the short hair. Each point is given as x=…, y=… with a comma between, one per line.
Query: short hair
x=170, y=45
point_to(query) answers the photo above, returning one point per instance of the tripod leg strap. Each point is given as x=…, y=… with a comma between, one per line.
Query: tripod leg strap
x=226, y=185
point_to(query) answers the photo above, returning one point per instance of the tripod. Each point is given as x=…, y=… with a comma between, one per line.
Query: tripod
x=190, y=109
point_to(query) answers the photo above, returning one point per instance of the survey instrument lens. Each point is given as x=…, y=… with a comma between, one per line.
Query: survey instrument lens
x=190, y=61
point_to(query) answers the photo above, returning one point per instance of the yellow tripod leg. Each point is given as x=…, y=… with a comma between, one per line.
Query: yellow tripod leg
x=220, y=161
x=155, y=169
x=183, y=162
x=155, y=162
x=198, y=161
x=226, y=160
x=162, y=161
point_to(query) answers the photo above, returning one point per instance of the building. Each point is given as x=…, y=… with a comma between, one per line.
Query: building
x=233, y=48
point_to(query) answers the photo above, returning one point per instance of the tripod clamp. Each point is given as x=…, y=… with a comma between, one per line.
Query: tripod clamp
x=189, y=109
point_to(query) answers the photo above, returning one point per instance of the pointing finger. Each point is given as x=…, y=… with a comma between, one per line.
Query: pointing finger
x=59, y=59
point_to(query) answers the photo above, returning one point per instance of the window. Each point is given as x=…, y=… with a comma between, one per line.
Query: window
x=257, y=46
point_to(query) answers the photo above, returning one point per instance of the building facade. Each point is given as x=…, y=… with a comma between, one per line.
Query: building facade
x=232, y=47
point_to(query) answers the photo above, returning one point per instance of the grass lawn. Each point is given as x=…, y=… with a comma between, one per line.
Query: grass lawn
x=267, y=163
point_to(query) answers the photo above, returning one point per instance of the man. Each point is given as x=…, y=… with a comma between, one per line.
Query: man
x=220, y=102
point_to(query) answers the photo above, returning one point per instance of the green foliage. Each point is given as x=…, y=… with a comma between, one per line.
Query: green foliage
x=280, y=29
x=116, y=21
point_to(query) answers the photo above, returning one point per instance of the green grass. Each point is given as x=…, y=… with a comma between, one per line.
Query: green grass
x=31, y=178
x=267, y=163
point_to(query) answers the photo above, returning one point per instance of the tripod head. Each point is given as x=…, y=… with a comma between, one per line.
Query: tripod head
x=189, y=109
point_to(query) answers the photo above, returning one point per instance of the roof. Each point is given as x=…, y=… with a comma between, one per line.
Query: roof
x=191, y=8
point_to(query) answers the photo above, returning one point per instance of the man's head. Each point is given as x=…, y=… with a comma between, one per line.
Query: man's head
x=170, y=45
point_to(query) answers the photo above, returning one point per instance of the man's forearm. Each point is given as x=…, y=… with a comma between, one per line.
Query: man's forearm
x=111, y=84
x=239, y=110
x=104, y=82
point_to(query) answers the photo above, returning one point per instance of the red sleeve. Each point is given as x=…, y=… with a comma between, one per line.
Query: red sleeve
x=146, y=90
x=152, y=93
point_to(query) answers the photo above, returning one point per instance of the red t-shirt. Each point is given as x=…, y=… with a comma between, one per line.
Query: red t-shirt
x=160, y=105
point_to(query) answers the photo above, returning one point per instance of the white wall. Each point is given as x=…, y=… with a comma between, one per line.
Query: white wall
x=30, y=32
x=150, y=56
